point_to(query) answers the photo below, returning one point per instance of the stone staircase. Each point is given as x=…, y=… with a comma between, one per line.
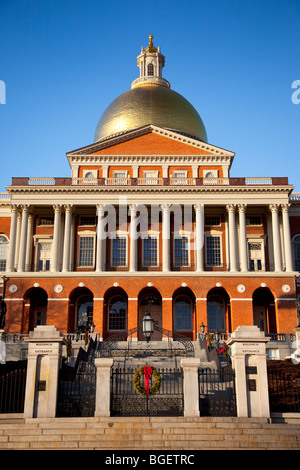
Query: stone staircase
x=160, y=434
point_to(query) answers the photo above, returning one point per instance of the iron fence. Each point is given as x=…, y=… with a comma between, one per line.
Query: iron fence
x=284, y=391
x=12, y=390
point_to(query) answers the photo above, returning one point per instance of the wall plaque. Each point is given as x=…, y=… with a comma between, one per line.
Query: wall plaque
x=251, y=370
x=42, y=385
x=252, y=385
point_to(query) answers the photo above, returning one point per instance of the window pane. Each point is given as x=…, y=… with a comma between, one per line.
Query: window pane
x=215, y=314
x=85, y=311
x=183, y=314
x=119, y=251
x=150, y=251
x=3, y=252
x=296, y=246
x=213, y=251
x=117, y=314
x=181, y=246
x=86, y=251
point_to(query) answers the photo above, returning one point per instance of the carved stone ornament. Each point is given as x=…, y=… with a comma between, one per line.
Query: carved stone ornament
x=241, y=288
x=286, y=288
x=13, y=288
x=58, y=288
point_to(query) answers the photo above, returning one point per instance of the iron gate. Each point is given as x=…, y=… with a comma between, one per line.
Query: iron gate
x=77, y=394
x=12, y=388
x=126, y=401
x=217, y=392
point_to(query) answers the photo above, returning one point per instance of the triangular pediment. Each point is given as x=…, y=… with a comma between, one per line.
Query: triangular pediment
x=151, y=140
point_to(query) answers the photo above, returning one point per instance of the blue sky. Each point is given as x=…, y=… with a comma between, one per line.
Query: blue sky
x=64, y=61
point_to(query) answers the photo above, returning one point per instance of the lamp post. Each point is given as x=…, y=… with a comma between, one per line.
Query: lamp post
x=147, y=326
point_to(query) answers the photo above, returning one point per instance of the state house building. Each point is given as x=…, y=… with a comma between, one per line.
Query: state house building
x=150, y=219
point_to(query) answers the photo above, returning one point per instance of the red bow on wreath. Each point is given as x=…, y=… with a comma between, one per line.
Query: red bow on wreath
x=221, y=350
x=147, y=374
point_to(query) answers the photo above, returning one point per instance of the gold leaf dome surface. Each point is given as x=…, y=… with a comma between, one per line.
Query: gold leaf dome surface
x=152, y=104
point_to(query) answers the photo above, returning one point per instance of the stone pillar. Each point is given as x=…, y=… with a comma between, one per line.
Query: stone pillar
x=133, y=264
x=248, y=353
x=287, y=237
x=44, y=361
x=12, y=239
x=190, y=368
x=101, y=239
x=199, y=237
x=23, y=238
x=232, y=237
x=56, y=238
x=276, y=237
x=67, y=238
x=166, y=236
x=103, y=386
x=243, y=238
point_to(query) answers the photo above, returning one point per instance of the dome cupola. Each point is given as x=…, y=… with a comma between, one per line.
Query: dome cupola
x=150, y=101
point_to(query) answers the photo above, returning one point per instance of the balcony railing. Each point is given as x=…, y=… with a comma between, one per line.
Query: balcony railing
x=127, y=181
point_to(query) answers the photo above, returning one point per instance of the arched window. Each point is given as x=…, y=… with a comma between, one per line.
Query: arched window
x=183, y=313
x=150, y=69
x=117, y=313
x=3, y=251
x=296, y=250
x=215, y=313
x=84, y=312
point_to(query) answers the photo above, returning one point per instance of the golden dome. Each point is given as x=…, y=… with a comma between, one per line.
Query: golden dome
x=150, y=104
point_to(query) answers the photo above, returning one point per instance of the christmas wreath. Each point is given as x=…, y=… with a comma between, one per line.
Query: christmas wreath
x=146, y=371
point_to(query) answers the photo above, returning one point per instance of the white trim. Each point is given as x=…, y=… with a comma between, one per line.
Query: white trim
x=13, y=299
x=282, y=298
x=249, y=298
x=64, y=299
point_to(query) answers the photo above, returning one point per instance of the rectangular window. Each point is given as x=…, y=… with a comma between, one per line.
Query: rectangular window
x=45, y=220
x=87, y=220
x=119, y=251
x=253, y=220
x=86, y=251
x=213, y=251
x=150, y=251
x=181, y=249
x=212, y=220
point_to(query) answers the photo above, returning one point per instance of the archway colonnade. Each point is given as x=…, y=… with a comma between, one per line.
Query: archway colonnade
x=117, y=312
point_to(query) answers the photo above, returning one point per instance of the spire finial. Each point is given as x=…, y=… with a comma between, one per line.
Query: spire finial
x=150, y=47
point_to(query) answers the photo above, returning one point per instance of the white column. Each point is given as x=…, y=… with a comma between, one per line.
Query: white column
x=103, y=392
x=166, y=236
x=232, y=234
x=199, y=237
x=23, y=238
x=101, y=239
x=133, y=238
x=19, y=222
x=12, y=239
x=56, y=238
x=287, y=237
x=276, y=237
x=243, y=238
x=28, y=266
x=67, y=238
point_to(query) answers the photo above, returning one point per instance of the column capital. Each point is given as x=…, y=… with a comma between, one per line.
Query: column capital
x=230, y=207
x=274, y=207
x=285, y=207
x=57, y=207
x=242, y=207
x=198, y=207
x=165, y=207
x=25, y=207
x=68, y=207
x=133, y=208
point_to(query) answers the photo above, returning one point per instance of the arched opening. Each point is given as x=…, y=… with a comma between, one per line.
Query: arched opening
x=115, y=312
x=264, y=310
x=218, y=311
x=150, y=300
x=150, y=70
x=184, y=318
x=3, y=252
x=36, y=300
x=81, y=310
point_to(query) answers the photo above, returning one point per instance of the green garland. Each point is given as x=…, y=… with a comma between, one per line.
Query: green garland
x=137, y=381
